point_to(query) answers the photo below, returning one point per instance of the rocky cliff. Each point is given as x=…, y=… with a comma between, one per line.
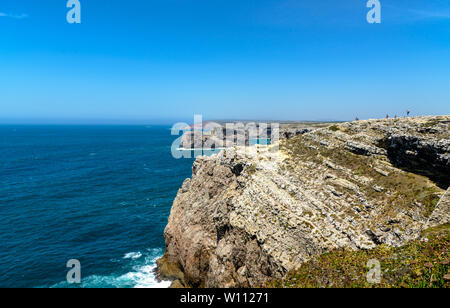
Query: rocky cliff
x=241, y=133
x=251, y=214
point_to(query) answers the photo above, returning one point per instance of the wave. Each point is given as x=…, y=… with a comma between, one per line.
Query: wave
x=133, y=255
x=141, y=275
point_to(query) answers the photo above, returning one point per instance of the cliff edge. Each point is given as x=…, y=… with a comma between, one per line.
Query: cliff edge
x=252, y=214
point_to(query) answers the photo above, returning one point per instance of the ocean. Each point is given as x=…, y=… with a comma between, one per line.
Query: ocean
x=98, y=194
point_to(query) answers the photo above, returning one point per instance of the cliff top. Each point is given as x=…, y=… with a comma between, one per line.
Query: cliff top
x=251, y=214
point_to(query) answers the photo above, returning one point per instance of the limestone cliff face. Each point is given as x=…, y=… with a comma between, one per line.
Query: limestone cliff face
x=253, y=213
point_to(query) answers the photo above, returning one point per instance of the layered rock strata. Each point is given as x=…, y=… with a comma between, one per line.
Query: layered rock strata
x=250, y=214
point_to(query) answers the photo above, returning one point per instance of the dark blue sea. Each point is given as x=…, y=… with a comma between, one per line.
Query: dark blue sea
x=99, y=194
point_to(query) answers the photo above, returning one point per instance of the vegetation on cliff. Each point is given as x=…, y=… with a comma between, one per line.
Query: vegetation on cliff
x=329, y=196
x=405, y=189
x=419, y=264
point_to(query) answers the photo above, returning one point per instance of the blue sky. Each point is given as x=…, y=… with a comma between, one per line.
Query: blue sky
x=154, y=61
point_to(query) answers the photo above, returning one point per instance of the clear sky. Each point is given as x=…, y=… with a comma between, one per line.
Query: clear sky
x=148, y=61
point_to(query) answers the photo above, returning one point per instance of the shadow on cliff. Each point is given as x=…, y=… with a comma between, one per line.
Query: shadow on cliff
x=425, y=159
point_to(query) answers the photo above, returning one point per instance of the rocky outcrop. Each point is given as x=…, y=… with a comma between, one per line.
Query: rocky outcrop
x=225, y=135
x=363, y=149
x=441, y=214
x=288, y=133
x=221, y=136
x=250, y=214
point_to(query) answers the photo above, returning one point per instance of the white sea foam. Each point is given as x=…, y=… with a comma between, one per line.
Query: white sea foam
x=142, y=274
x=133, y=255
x=144, y=277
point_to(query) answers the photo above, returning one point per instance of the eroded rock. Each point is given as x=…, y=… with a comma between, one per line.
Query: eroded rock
x=252, y=214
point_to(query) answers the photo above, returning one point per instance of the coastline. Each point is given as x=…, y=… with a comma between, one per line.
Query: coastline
x=237, y=209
